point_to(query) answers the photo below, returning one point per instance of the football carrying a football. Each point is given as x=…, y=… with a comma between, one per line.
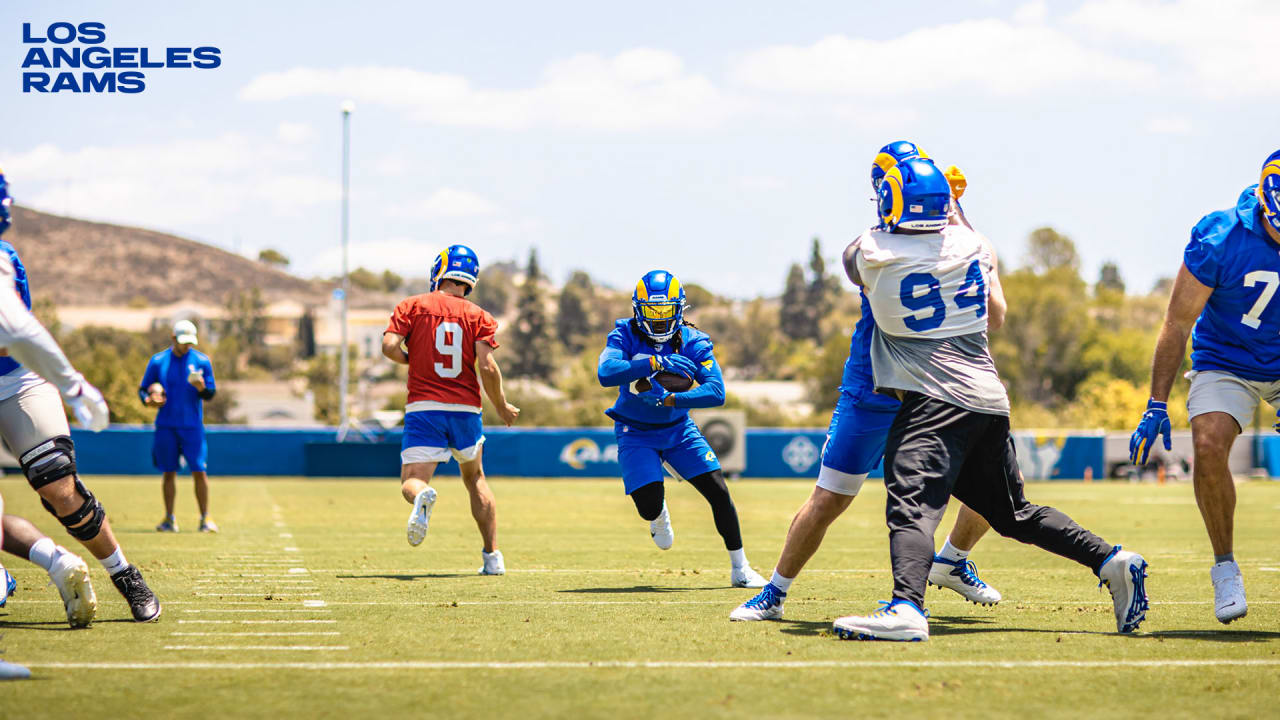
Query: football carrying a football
x=671, y=382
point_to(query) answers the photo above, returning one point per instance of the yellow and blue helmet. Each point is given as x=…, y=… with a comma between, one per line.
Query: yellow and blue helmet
x=889, y=156
x=5, y=203
x=456, y=262
x=658, y=305
x=1268, y=191
x=915, y=195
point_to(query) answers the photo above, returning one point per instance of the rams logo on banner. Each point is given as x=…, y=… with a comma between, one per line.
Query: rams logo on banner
x=580, y=452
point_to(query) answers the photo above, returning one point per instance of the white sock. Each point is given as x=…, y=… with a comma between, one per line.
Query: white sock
x=780, y=582
x=114, y=562
x=664, y=516
x=738, y=557
x=951, y=552
x=42, y=553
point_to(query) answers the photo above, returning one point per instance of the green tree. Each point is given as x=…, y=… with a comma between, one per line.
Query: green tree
x=698, y=296
x=307, y=334
x=1109, y=278
x=533, y=345
x=493, y=291
x=391, y=282
x=274, y=258
x=575, y=322
x=794, y=317
x=1048, y=249
x=246, y=322
x=822, y=290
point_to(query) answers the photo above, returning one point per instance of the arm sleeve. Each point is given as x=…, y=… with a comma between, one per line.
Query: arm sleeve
x=616, y=369
x=400, y=320
x=487, y=329
x=149, y=376
x=1202, y=258
x=209, y=383
x=31, y=344
x=710, y=389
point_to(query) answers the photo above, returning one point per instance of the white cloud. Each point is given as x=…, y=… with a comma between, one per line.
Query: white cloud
x=294, y=133
x=169, y=184
x=447, y=203
x=637, y=89
x=992, y=56
x=1168, y=125
x=1221, y=48
x=761, y=182
x=404, y=255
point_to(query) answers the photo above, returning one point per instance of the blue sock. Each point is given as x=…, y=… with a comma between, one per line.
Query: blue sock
x=1229, y=557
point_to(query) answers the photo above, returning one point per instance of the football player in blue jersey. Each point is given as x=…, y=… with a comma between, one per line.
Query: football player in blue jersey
x=855, y=445
x=652, y=423
x=1223, y=298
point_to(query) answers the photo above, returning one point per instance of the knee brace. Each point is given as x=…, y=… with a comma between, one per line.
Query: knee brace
x=90, y=508
x=49, y=461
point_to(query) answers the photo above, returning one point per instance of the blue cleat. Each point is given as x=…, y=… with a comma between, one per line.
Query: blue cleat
x=9, y=671
x=1125, y=573
x=895, y=620
x=766, y=605
x=9, y=584
x=962, y=577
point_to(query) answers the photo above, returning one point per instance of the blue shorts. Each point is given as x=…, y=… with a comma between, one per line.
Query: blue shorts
x=642, y=452
x=171, y=444
x=855, y=445
x=435, y=435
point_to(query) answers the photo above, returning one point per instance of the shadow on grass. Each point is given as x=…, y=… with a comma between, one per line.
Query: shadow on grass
x=407, y=578
x=635, y=589
x=52, y=625
x=1213, y=635
x=806, y=628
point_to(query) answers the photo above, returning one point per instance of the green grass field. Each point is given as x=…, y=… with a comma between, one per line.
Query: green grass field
x=311, y=604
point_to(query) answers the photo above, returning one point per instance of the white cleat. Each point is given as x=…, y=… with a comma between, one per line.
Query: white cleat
x=1228, y=592
x=1125, y=573
x=660, y=530
x=766, y=605
x=420, y=516
x=70, y=575
x=897, y=620
x=493, y=564
x=962, y=577
x=745, y=577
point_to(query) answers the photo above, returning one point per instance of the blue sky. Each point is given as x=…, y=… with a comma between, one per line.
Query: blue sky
x=713, y=138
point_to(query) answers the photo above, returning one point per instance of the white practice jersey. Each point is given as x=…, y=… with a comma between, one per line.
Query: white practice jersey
x=29, y=342
x=928, y=294
x=932, y=285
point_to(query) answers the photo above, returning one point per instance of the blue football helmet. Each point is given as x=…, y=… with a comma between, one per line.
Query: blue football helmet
x=5, y=202
x=889, y=156
x=456, y=262
x=658, y=305
x=915, y=195
x=1268, y=190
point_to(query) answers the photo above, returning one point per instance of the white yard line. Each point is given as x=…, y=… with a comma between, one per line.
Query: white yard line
x=257, y=622
x=257, y=594
x=650, y=664
x=302, y=648
x=255, y=634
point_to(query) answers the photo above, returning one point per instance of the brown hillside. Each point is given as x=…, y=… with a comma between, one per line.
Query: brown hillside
x=75, y=262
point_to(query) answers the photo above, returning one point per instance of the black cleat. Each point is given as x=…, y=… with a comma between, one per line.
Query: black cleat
x=142, y=601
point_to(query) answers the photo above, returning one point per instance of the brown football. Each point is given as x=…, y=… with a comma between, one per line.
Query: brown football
x=672, y=382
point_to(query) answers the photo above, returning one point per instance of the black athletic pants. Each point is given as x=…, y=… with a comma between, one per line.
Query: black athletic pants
x=936, y=450
x=711, y=485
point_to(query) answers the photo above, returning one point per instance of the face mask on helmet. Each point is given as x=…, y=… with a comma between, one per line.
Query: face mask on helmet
x=658, y=319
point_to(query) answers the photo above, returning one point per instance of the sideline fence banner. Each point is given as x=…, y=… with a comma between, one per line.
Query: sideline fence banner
x=525, y=452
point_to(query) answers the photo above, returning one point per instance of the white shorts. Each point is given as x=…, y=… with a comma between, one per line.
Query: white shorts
x=1217, y=391
x=422, y=453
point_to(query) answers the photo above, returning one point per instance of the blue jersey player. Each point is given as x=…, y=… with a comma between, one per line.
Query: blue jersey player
x=653, y=426
x=855, y=445
x=1224, y=299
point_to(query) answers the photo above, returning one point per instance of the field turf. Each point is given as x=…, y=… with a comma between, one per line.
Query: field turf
x=311, y=604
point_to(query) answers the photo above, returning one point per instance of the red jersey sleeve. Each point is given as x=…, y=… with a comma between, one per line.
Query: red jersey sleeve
x=486, y=328
x=401, y=318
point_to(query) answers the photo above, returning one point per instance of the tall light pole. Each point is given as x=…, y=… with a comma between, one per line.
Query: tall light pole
x=344, y=372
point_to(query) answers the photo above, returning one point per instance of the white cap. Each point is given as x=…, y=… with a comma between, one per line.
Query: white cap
x=184, y=331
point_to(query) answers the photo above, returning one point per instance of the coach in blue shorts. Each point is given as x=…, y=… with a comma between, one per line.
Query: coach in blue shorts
x=178, y=380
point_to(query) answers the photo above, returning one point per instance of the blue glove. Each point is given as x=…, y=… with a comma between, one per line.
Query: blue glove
x=678, y=364
x=655, y=396
x=1277, y=425
x=1155, y=421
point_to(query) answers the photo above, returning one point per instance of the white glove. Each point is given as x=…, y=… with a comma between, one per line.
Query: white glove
x=89, y=407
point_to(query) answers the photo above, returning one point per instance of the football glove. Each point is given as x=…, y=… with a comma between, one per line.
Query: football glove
x=1155, y=421
x=655, y=396
x=677, y=364
x=88, y=405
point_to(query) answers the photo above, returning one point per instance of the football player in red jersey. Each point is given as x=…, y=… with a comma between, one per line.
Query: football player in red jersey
x=444, y=338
